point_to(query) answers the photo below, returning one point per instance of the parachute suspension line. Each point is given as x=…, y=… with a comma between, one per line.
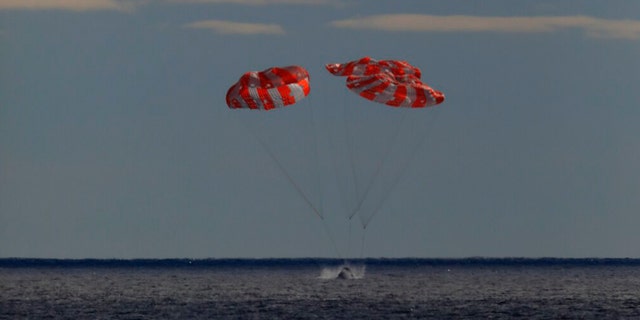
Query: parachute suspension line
x=380, y=165
x=338, y=156
x=331, y=238
x=414, y=150
x=297, y=188
x=286, y=173
x=316, y=153
x=339, y=178
x=349, y=237
x=350, y=144
x=283, y=170
x=332, y=154
x=364, y=229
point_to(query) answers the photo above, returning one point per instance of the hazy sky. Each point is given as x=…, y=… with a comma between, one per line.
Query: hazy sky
x=116, y=142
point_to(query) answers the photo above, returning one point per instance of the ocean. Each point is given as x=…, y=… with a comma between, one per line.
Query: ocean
x=474, y=288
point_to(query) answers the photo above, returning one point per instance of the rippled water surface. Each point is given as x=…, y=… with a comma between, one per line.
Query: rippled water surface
x=309, y=289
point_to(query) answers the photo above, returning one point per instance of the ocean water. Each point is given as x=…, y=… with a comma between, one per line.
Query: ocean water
x=310, y=289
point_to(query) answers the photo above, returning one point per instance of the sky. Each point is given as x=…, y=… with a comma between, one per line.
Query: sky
x=116, y=141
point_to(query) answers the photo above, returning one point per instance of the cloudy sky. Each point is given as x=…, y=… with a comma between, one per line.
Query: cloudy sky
x=116, y=142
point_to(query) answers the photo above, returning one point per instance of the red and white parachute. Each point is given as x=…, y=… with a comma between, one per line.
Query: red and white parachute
x=368, y=66
x=275, y=88
x=272, y=88
x=376, y=169
x=392, y=82
x=367, y=169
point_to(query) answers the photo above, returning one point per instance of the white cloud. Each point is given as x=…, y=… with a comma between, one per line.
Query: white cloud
x=229, y=27
x=594, y=27
x=72, y=5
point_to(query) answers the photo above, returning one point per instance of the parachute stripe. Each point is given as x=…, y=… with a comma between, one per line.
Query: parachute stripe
x=249, y=97
x=265, y=99
x=399, y=96
x=421, y=97
x=394, y=91
x=282, y=95
x=297, y=92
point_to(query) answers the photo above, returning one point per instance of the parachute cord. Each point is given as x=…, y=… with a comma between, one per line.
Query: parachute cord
x=283, y=170
x=334, y=153
x=364, y=231
x=343, y=187
x=403, y=169
x=380, y=165
x=351, y=152
x=349, y=237
x=316, y=151
x=331, y=238
x=342, y=179
x=286, y=173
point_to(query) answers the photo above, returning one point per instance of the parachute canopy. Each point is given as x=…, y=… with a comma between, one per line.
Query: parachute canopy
x=392, y=82
x=394, y=90
x=272, y=88
x=368, y=66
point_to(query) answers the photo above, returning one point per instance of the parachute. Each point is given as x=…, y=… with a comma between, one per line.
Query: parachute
x=272, y=88
x=366, y=169
x=394, y=90
x=368, y=66
x=276, y=88
x=377, y=169
x=392, y=82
